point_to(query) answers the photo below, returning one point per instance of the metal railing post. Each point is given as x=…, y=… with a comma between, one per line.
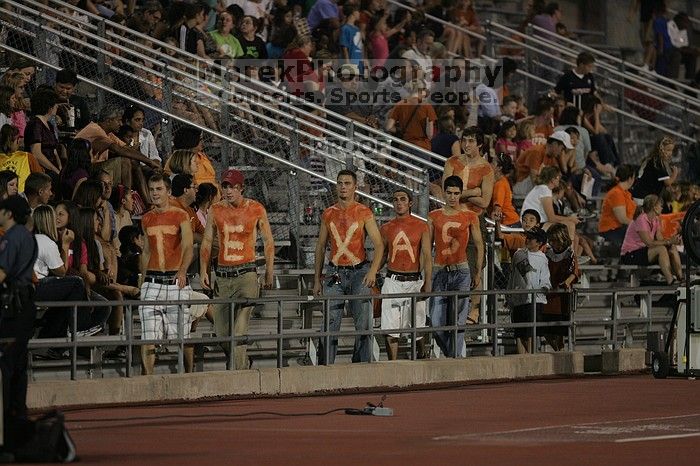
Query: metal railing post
x=295, y=206
x=491, y=313
x=129, y=328
x=534, y=324
x=180, y=339
x=613, y=337
x=74, y=345
x=166, y=129
x=101, y=64
x=230, y=363
x=350, y=145
x=225, y=123
x=424, y=196
x=528, y=87
x=620, y=117
x=326, y=329
x=414, y=334
x=280, y=338
x=455, y=330
x=41, y=48
x=490, y=42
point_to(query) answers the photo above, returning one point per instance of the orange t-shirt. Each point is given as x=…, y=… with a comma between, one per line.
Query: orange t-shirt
x=403, y=237
x=164, y=239
x=671, y=224
x=615, y=197
x=503, y=196
x=531, y=160
x=414, y=127
x=542, y=133
x=346, y=229
x=99, y=140
x=205, y=169
x=451, y=235
x=237, y=229
x=196, y=225
x=472, y=176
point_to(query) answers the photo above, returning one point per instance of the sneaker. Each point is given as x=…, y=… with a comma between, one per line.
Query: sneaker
x=89, y=332
x=582, y=260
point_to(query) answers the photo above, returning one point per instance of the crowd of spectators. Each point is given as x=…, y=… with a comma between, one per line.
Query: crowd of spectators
x=84, y=172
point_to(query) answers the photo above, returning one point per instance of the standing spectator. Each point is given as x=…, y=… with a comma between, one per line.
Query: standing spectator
x=450, y=228
x=505, y=143
x=350, y=39
x=646, y=29
x=21, y=162
x=207, y=195
x=662, y=40
x=379, y=35
x=77, y=168
x=235, y=221
x=253, y=46
x=420, y=54
x=130, y=249
x=529, y=271
x=324, y=13
x=541, y=199
x=601, y=141
x=530, y=163
x=73, y=110
x=144, y=140
x=189, y=138
x=618, y=206
x=40, y=138
x=345, y=225
x=148, y=19
x=189, y=35
x=681, y=51
x=578, y=81
x=502, y=209
x=227, y=44
x=563, y=273
x=408, y=253
x=644, y=243
x=656, y=170
x=413, y=119
x=167, y=254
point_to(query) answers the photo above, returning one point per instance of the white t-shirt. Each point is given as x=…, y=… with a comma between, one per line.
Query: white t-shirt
x=533, y=201
x=48, y=257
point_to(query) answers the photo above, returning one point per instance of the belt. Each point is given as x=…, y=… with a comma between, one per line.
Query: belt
x=235, y=271
x=349, y=267
x=454, y=267
x=162, y=278
x=403, y=276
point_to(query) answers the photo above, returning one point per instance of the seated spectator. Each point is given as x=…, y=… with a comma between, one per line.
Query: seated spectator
x=509, y=108
x=618, y=206
x=134, y=116
x=37, y=189
x=505, y=143
x=109, y=153
x=253, y=46
x=324, y=14
x=526, y=135
x=77, y=168
x=9, y=184
x=601, y=141
x=420, y=54
x=531, y=162
x=397, y=82
x=541, y=199
x=183, y=161
x=442, y=143
x=544, y=120
x=73, y=110
x=40, y=137
x=302, y=78
x=7, y=100
x=13, y=100
x=227, y=44
x=11, y=158
x=513, y=241
x=147, y=20
x=122, y=202
x=130, y=249
x=189, y=138
x=644, y=243
x=502, y=208
x=458, y=42
x=571, y=117
x=656, y=171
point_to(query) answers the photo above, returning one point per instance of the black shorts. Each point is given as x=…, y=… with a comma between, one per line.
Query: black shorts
x=523, y=313
x=636, y=257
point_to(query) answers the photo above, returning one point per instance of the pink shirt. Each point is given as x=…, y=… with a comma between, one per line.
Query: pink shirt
x=380, y=50
x=19, y=121
x=632, y=240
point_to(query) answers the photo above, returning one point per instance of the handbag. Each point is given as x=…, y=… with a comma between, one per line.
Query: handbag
x=399, y=131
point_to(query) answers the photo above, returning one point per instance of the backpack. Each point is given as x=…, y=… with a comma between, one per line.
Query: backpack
x=50, y=442
x=520, y=266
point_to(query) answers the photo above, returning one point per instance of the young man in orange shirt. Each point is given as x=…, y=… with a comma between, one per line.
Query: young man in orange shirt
x=407, y=252
x=531, y=162
x=167, y=252
x=450, y=228
x=344, y=225
x=235, y=220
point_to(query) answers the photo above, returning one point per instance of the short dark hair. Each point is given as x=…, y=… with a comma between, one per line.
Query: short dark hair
x=66, y=76
x=585, y=58
x=129, y=113
x=543, y=104
x=625, y=171
x=476, y=132
x=187, y=137
x=551, y=8
x=349, y=9
x=569, y=116
x=43, y=100
x=532, y=212
x=180, y=183
x=18, y=206
x=423, y=33
x=35, y=182
x=159, y=176
x=347, y=173
x=572, y=130
x=453, y=181
x=406, y=191
x=508, y=99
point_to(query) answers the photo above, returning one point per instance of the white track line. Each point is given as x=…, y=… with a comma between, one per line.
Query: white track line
x=657, y=437
x=534, y=429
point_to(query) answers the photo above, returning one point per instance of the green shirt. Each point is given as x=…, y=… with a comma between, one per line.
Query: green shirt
x=229, y=43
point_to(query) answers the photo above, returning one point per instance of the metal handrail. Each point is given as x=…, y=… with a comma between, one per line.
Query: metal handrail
x=694, y=20
x=411, y=149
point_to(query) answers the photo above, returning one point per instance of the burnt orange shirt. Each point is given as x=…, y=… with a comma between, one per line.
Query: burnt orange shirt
x=196, y=225
x=531, y=160
x=615, y=197
x=403, y=237
x=503, y=196
x=237, y=230
x=671, y=224
x=542, y=133
x=451, y=235
x=205, y=169
x=164, y=238
x=472, y=176
x=346, y=230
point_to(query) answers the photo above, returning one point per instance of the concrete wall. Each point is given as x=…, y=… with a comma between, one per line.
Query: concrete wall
x=300, y=380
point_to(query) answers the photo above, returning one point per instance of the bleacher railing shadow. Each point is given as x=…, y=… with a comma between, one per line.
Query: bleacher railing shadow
x=497, y=332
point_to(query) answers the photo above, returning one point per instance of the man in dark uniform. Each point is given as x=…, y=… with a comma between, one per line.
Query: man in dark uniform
x=18, y=251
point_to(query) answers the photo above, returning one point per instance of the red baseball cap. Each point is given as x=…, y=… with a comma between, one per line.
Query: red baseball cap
x=232, y=176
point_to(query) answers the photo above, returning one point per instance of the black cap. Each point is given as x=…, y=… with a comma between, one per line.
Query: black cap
x=537, y=233
x=18, y=206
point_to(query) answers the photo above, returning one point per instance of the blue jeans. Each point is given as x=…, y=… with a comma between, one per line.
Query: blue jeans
x=350, y=283
x=442, y=310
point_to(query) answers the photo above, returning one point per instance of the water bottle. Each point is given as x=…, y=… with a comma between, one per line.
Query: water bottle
x=378, y=208
x=71, y=116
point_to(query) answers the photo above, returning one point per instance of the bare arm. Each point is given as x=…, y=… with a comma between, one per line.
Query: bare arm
x=205, y=251
x=320, y=257
x=621, y=215
x=548, y=207
x=475, y=231
x=41, y=158
x=650, y=242
x=187, y=247
x=429, y=128
x=484, y=199
x=123, y=151
x=376, y=238
x=269, y=242
x=426, y=260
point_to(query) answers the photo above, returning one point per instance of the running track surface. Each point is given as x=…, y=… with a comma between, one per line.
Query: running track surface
x=623, y=421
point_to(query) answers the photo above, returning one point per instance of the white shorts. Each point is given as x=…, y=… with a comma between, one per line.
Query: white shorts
x=396, y=312
x=159, y=321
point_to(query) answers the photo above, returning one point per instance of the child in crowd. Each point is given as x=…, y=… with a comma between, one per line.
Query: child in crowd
x=505, y=142
x=509, y=108
x=130, y=249
x=526, y=132
x=530, y=271
x=563, y=272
